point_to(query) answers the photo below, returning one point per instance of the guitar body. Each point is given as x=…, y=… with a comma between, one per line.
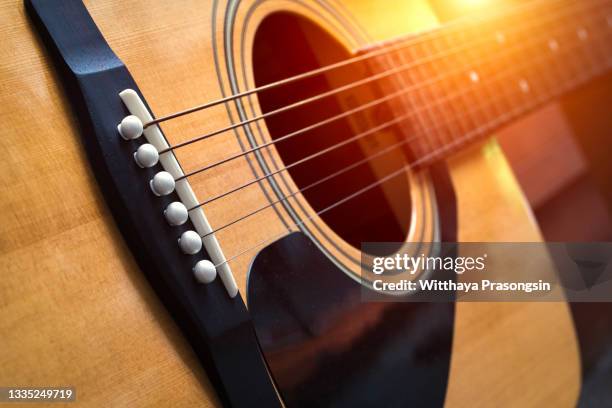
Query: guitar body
x=74, y=307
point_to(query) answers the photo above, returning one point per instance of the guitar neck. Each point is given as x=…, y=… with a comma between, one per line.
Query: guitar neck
x=472, y=77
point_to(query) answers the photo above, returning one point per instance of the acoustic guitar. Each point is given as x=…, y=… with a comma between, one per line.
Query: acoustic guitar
x=187, y=184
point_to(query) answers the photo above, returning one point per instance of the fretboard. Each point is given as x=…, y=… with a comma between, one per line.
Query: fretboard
x=470, y=78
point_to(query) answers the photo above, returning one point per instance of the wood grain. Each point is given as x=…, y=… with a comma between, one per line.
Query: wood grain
x=74, y=308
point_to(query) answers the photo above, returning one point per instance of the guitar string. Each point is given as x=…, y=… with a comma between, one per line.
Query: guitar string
x=420, y=86
x=463, y=139
x=478, y=108
x=335, y=174
x=336, y=204
x=394, y=44
x=413, y=113
x=340, y=144
x=363, y=81
x=303, y=160
x=499, y=76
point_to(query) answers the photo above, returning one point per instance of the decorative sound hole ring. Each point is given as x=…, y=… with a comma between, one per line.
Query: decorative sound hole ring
x=234, y=61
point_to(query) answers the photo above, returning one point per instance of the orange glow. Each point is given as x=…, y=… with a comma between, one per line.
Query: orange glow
x=473, y=3
x=463, y=6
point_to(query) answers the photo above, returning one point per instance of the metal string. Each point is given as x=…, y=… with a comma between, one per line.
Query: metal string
x=465, y=138
x=329, y=120
x=391, y=46
x=314, y=184
x=356, y=84
x=401, y=170
x=341, y=171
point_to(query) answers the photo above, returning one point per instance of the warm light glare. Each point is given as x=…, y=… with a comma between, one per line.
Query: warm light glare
x=473, y=3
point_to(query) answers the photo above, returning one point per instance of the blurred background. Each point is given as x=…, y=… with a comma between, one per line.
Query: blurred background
x=561, y=154
x=562, y=157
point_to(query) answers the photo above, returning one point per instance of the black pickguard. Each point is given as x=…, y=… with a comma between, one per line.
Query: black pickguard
x=303, y=307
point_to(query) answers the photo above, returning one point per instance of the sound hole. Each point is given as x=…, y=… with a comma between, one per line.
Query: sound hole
x=286, y=45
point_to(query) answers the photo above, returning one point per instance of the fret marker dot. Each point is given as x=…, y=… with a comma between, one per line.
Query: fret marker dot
x=500, y=37
x=474, y=76
x=524, y=85
x=583, y=34
x=553, y=45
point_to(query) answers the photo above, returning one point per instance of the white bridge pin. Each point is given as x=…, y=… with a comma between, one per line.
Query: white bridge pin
x=205, y=271
x=130, y=127
x=176, y=213
x=162, y=183
x=190, y=242
x=146, y=155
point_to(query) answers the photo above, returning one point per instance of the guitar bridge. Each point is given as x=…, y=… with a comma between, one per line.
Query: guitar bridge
x=140, y=183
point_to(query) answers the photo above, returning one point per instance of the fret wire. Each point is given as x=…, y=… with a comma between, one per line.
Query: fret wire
x=444, y=135
x=516, y=97
x=430, y=94
x=407, y=101
x=605, y=27
x=565, y=69
x=539, y=78
x=582, y=59
x=459, y=107
x=601, y=52
x=589, y=52
x=419, y=74
x=532, y=74
x=481, y=70
x=557, y=73
x=407, y=104
x=465, y=101
x=414, y=100
x=472, y=97
x=496, y=107
x=439, y=89
x=410, y=103
x=592, y=53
